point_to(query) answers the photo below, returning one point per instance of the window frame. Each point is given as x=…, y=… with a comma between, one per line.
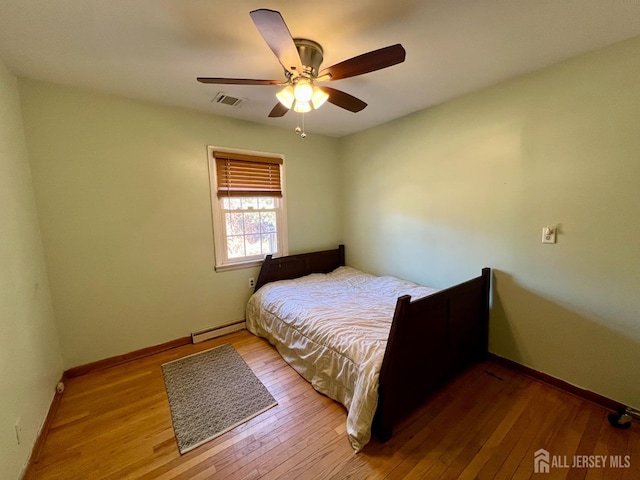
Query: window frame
x=222, y=263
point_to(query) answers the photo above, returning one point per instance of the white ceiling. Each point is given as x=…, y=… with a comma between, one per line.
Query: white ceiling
x=154, y=49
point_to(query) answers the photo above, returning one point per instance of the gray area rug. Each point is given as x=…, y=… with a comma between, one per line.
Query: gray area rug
x=210, y=393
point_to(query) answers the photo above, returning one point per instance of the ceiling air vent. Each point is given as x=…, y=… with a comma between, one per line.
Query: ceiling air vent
x=225, y=99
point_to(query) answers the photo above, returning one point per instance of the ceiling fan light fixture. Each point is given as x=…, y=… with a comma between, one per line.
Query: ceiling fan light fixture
x=286, y=96
x=302, y=97
x=301, y=107
x=303, y=90
x=318, y=98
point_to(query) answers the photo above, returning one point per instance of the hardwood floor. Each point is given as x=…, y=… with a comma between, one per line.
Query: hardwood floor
x=115, y=424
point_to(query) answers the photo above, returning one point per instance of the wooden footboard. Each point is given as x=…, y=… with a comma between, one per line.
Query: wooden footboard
x=431, y=340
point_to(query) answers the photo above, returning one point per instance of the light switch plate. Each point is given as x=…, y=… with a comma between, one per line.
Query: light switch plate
x=548, y=235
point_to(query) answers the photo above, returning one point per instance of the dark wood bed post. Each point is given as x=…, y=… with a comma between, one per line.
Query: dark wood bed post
x=384, y=417
x=486, y=277
x=264, y=270
x=341, y=257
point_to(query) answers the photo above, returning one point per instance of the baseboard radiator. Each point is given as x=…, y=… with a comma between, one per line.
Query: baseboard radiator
x=213, y=332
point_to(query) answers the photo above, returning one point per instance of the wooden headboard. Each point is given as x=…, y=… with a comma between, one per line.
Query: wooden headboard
x=294, y=266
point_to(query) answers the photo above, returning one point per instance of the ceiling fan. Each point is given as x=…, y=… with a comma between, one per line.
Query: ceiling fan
x=301, y=59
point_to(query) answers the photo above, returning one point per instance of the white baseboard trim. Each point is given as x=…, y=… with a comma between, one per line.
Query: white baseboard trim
x=214, y=332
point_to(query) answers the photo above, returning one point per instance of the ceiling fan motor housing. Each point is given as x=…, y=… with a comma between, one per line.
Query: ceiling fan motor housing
x=311, y=55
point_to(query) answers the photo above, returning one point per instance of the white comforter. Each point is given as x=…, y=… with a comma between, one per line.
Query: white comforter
x=333, y=330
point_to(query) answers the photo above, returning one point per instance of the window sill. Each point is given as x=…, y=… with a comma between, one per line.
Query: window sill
x=238, y=266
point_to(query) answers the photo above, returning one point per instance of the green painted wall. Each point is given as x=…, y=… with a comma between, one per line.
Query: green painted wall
x=437, y=195
x=30, y=360
x=122, y=189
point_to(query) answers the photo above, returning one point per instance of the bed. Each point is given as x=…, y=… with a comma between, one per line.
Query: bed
x=378, y=345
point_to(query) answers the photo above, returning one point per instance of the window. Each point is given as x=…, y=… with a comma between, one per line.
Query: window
x=248, y=205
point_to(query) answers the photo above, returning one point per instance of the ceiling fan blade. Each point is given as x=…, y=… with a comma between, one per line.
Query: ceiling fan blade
x=367, y=62
x=344, y=100
x=275, y=32
x=278, y=111
x=238, y=81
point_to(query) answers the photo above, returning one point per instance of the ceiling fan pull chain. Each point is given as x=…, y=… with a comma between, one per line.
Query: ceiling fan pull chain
x=298, y=130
